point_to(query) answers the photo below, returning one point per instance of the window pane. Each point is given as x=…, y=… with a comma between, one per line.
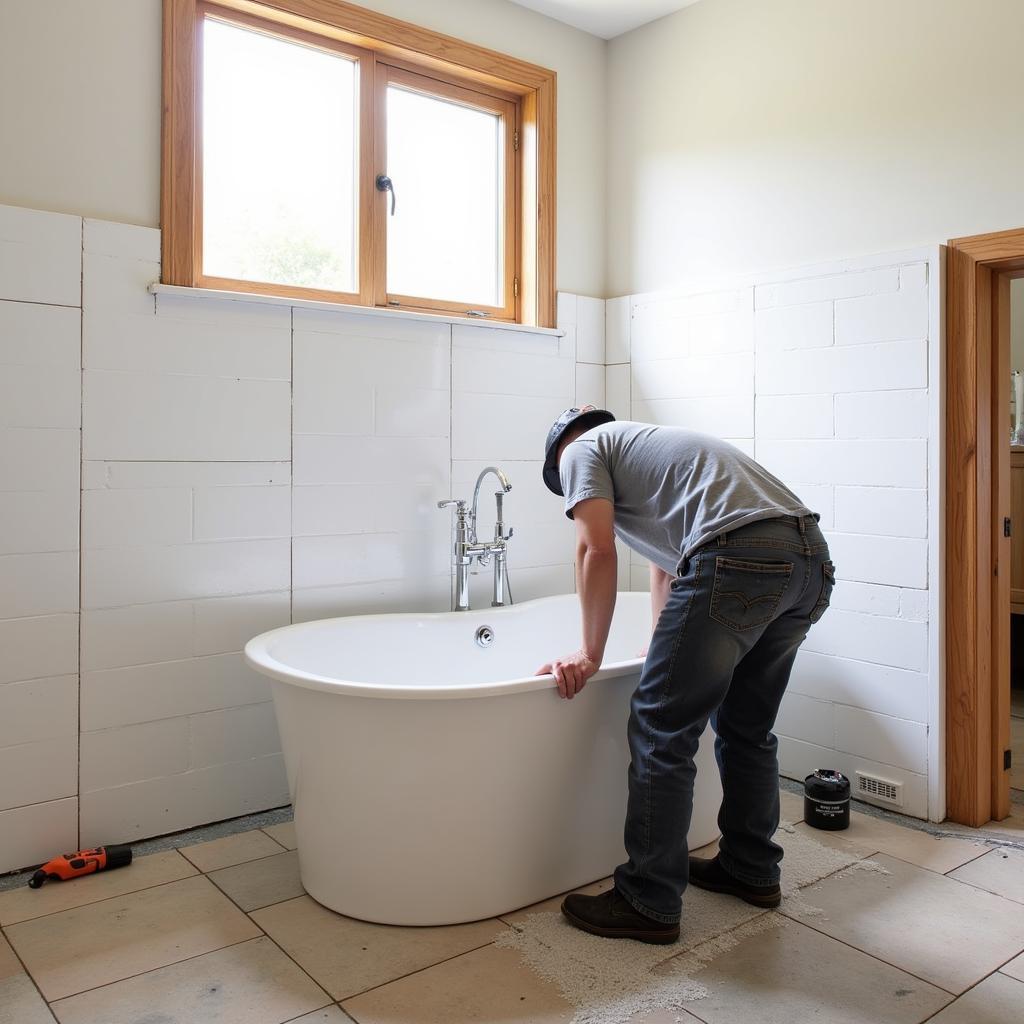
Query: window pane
x=279, y=161
x=445, y=239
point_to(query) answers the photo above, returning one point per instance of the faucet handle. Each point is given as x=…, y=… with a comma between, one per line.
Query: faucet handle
x=459, y=503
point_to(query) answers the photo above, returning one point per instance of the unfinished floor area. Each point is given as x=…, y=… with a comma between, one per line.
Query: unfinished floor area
x=932, y=929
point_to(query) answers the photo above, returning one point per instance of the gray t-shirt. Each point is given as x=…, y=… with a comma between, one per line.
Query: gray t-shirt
x=673, y=489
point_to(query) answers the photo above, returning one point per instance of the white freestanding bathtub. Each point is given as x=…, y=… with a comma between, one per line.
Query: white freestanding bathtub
x=437, y=781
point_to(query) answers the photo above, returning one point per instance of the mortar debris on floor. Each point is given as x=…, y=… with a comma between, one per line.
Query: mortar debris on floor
x=608, y=981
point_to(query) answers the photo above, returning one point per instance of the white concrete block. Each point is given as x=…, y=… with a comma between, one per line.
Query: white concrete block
x=40, y=709
x=112, y=340
x=38, y=584
x=147, y=693
x=721, y=332
x=491, y=371
x=892, y=561
x=818, y=498
x=32, y=521
x=114, y=285
x=778, y=328
x=894, y=366
x=36, y=335
x=589, y=330
x=528, y=584
x=501, y=427
x=639, y=578
x=420, y=462
x=745, y=444
x=29, y=835
x=131, y=753
x=882, y=414
x=590, y=385
x=869, y=598
x=430, y=594
x=694, y=377
x=536, y=544
x=336, y=509
x=899, y=316
x=336, y=377
x=136, y=635
x=129, y=241
x=42, y=770
x=484, y=337
x=914, y=275
x=617, y=323
x=807, y=719
x=125, y=517
x=617, y=389
x=914, y=605
x=40, y=256
x=414, y=412
x=226, y=624
x=874, y=638
x=136, y=416
x=899, y=463
x=186, y=474
x=889, y=691
x=237, y=513
x=885, y=511
x=832, y=286
x=158, y=806
x=794, y=416
x=723, y=416
x=39, y=460
x=235, y=734
x=882, y=738
x=365, y=557
x=35, y=647
x=656, y=335
x=112, y=577
x=565, y=312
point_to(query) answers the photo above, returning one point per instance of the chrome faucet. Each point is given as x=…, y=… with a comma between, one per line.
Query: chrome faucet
x=467, y=547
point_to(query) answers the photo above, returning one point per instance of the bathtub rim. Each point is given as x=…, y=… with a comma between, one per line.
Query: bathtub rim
x=257, y=656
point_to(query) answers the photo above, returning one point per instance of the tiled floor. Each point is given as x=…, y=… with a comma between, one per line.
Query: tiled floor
x=222, y=932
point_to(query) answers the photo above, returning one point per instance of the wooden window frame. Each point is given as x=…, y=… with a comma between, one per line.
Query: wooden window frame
x=379, y=42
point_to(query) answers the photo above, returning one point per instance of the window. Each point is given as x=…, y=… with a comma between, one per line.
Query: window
x=315, y=149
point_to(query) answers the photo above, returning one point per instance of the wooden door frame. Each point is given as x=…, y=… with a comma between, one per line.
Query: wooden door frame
x=977, y=554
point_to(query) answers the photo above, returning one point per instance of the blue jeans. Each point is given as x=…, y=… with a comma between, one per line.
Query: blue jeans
x=722, y=650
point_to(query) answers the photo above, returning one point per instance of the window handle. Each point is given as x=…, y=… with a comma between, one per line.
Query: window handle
x=384, y=184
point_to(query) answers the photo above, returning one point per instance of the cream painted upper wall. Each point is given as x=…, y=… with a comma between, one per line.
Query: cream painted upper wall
x=80, y=109
x=756, y=134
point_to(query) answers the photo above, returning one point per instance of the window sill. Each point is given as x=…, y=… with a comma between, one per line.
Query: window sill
x=336, y=307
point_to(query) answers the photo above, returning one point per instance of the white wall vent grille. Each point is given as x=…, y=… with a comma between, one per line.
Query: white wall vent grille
x=874, y=788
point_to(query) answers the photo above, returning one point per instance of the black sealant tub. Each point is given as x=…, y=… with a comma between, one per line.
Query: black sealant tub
x=827, y=800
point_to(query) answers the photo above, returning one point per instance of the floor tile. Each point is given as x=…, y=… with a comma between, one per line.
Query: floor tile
x=946, y=932
x=283, y=834
x=248, y=983
x=868, y=835
x=21, y=1003
x=486, y=985
x=1000, y=871
x=348, y=956
x=143, y=873
x=127, y=935
x=328, y=1015
x=791, y=806
x=236, y=849
x=9, y=964
x=1015, y=968
x=261, y=882
x=664, y=1017
x=997, y=1000
x=792, y=973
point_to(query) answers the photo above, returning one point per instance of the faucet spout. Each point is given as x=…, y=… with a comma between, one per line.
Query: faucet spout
x=506, y=486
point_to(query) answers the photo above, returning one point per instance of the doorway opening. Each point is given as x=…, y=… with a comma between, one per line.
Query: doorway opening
x=984, y=540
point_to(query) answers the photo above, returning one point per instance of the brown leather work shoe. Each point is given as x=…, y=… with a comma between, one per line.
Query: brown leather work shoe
x=611, y=916
x=710, y=875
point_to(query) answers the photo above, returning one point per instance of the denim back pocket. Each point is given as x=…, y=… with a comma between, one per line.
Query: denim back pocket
x=747, y=591
x=828, y=581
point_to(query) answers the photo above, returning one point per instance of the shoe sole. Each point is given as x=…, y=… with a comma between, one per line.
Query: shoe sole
x=657, y=938
x=763, y=902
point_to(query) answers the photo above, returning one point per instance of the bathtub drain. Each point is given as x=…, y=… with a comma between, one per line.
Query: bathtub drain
x=484, y=636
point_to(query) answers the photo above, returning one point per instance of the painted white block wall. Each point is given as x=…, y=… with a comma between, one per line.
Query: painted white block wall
x=40, y=441
x=829, y=377
x=229, y=467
